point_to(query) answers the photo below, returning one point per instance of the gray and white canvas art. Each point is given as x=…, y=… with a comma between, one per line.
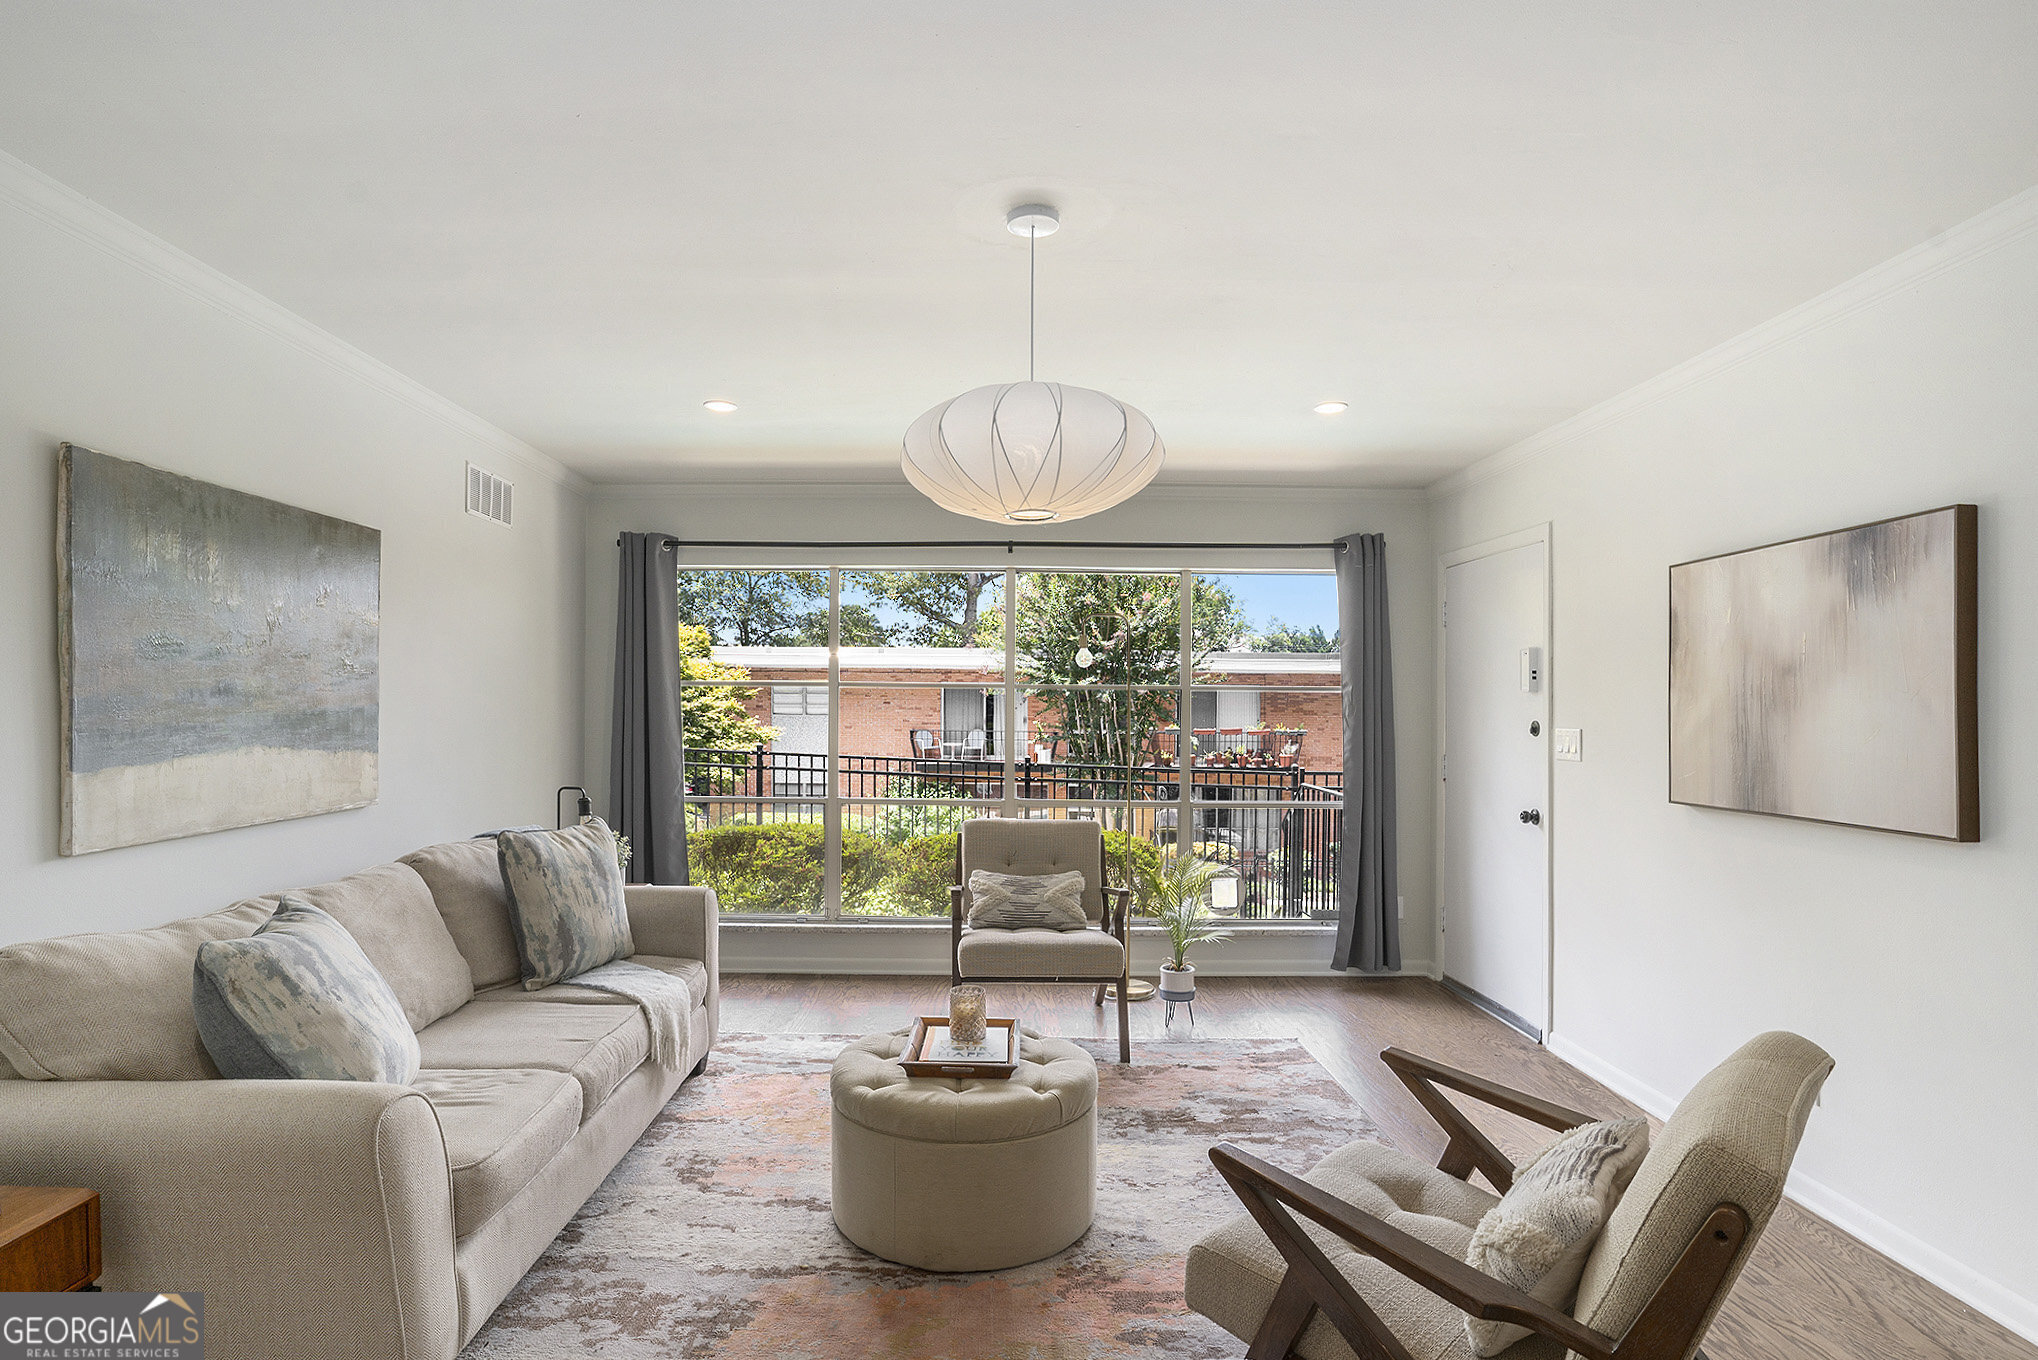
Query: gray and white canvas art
x=219, y=656
x=1832, y=678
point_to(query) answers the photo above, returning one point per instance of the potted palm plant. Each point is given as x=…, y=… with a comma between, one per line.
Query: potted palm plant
x=1172, y=890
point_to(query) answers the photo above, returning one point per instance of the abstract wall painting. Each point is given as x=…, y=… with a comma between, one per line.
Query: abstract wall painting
x=1832, y=678
x=219, y=657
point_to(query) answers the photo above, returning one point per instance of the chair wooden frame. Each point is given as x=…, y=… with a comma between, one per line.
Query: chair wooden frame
x=1116, y=922
x=1666, y=1328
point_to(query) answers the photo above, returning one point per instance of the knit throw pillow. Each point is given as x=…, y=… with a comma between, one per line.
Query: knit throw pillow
x=1023, y=901
x=1538, y=1236
x=565, y=893
x=299, y=999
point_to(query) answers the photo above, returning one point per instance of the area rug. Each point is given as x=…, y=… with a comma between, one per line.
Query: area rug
x=713, y=1236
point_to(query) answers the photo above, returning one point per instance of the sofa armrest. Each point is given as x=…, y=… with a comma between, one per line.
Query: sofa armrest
x=680, y=923
x=315, y=1216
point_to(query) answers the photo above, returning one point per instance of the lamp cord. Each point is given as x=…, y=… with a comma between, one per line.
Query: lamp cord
x=1031, y=233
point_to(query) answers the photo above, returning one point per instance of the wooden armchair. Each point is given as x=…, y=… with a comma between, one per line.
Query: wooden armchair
x=1664, y=1262
x=1092, y=957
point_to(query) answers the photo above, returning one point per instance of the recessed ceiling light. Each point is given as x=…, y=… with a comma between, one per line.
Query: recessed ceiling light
x=720, y=408
x=1330, y=408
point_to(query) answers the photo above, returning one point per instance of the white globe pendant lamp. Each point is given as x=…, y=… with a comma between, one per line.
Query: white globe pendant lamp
x=1031, y=452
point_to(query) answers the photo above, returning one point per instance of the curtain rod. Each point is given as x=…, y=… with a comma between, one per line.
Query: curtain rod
x=1010, y=545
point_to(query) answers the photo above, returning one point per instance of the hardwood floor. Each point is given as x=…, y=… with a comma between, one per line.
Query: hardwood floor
x=1810, y=1293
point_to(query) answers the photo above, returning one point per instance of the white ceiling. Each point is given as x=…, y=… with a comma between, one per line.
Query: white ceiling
x=1469, y=220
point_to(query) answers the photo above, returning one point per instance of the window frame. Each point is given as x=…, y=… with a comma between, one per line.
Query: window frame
x=1014, y=691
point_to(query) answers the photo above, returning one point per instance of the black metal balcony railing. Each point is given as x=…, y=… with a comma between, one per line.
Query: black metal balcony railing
x=1278, y=828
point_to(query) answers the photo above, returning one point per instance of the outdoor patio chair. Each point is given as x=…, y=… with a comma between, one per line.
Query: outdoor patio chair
x=1388, y=1290
x=973, y=744
x=925, y=744
x=1095, y=956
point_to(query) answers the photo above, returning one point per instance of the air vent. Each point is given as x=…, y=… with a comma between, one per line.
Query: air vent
x=488, y=495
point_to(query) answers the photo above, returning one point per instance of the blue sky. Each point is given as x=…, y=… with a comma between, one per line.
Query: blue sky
x=1293, y=599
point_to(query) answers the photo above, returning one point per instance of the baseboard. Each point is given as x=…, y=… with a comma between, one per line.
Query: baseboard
x=1908, y=1250
x=868, y=949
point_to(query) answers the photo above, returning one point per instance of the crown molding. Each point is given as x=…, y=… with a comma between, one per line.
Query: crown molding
x=2003, y=225
x=862, y=490
x=28, y=189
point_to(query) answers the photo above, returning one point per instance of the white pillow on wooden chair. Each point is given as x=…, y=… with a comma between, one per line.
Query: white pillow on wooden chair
x=1538, y=1236
x=1026, y=901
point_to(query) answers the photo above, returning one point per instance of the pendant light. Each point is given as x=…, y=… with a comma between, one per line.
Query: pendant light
x=1031, y=452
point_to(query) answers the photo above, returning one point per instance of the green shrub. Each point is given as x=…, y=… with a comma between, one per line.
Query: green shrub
x=777, y=867
x=900, y=825
x=1144, y=853
x=921, y=871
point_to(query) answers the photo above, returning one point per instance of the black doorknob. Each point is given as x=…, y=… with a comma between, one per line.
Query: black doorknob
x=1533, y=817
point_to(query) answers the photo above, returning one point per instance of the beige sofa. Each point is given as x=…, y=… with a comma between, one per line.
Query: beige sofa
x=342, y=1219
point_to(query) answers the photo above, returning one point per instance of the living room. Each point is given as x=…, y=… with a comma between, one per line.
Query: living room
x=427, y=420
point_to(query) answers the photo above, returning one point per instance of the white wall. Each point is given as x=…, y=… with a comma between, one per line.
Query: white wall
x=110, y=339
x=863, y=511
x=1682, y=931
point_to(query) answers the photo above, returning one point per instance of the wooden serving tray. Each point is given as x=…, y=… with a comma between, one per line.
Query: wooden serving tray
x=916, y=1044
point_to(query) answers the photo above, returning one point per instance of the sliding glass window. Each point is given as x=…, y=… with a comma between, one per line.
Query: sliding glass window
x=842, y=724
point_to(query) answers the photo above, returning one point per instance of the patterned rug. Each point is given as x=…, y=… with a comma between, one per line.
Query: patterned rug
x=713, y=1236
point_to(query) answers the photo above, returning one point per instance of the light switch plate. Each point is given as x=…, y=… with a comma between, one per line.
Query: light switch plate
x=1570, y=743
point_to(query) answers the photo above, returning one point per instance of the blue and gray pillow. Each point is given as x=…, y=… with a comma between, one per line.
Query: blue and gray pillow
x=565, y=892
x=299, y=999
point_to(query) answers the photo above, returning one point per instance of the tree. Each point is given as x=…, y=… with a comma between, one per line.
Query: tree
x=942, y=608
x=1287, y=637
x=757, y=608
x=711, y=715
x=773, y=609
x=1100, y=634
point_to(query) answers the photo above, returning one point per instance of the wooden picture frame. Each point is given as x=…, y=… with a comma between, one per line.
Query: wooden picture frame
x=1833, y=677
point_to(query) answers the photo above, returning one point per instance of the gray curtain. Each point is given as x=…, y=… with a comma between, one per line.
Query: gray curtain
x=1368, y=916
x=647, y=756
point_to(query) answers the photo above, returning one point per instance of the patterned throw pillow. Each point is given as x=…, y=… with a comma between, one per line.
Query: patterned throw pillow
x=1019, y=901
x=565, y=892
x=1538, y=1236
x=299, y=999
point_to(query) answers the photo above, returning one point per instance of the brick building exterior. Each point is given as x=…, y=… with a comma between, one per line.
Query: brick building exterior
x=952, y=693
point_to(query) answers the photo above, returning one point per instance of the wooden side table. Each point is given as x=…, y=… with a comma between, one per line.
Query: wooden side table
x=49, y=1238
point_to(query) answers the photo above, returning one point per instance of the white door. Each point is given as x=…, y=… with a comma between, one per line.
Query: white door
x=1496, y=915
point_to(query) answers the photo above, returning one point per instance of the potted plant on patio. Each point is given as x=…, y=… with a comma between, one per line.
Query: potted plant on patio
x=1173, y=892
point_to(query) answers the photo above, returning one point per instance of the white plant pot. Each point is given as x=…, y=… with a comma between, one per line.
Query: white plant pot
x=1178, y=985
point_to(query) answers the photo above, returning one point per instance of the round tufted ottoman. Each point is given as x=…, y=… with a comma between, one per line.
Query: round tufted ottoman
x=954, y=1174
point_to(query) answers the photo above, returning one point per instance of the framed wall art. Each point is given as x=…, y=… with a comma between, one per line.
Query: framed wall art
x=1832, y=678
x=219, y=656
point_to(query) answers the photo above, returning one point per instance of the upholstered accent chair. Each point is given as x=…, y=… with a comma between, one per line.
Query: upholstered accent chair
x=1381, y=1274
x=1095, y=956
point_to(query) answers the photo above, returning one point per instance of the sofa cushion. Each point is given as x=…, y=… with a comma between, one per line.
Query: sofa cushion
x=466, y=882
x=390, y=913
x=566, y=900
x=1233, y=1272
x=1041, y=953
x=501, y=1127
x=595, y=1045
x=113, y=1006
x=299, y=1000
